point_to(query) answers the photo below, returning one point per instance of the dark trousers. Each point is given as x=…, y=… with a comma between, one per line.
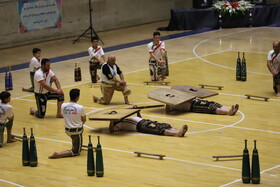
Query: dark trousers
x=41, y=101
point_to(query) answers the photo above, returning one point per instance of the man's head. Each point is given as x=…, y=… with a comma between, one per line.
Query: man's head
x=74, y=94
x=36, y=53
x=276, y=46
x=156, y=37
x=111, y=60
x=94, y=42
x=5, y=97
x=45, y=64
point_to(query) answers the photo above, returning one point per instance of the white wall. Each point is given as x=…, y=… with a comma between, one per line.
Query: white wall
x=107, y=15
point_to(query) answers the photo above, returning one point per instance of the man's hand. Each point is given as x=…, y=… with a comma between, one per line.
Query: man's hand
x=274, y=73
x=162, y=62
x=122, y=82
x=59, y=92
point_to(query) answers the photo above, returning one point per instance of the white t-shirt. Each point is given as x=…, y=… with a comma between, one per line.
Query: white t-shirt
x=156, y=49
x=40, y=76
x=35, y=64
x=129, y=124
x=275, y=59
x=97, y=53
x=72, y=113
x=6, y=111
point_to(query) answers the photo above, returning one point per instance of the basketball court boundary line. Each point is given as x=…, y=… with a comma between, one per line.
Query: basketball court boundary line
x=219, y=65
x=12, y=183
x=237, y=180
x=123, y=151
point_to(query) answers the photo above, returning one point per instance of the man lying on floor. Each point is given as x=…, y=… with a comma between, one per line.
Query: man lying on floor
x=147, y=126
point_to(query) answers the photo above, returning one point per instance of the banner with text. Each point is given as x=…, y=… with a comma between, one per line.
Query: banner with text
x=39, y=14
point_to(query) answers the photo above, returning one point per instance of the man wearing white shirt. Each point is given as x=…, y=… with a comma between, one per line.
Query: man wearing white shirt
x=110, y=82
x=34, y=65
x=97, y=58
x=273, y=65
x=147, y=126
x=74, y=119
x=43, y=90
x=157, y=53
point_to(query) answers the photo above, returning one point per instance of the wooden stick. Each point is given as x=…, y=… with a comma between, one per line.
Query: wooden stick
x=150, y=154
x=18, y=136
x=254, y=96
x=148, y=106
x=161, y=82
x=205, y=85
x=226, y=156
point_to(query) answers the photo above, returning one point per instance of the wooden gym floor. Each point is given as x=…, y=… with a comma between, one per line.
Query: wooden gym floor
x=205, y=58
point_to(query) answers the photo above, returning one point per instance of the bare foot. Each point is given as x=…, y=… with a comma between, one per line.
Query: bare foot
x=11, y=141
x=95, y=99
x=32, y=111
x=233, y=109
x=183, y=131
x=59, y=116
x=278, y=95
x=54, y=155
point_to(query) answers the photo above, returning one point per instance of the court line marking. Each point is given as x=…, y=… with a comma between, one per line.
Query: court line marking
x=209, y=62
x=54, y=103
x=176, y=119
x=223, y=126
x=139, y=134
x=237, y=180
x=200, y=122
x=86, y=82
x=147, y=68
x=12, y=183
x=229, y=94
x=123, y=151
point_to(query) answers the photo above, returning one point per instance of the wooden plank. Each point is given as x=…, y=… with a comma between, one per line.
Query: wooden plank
x=150, y=154
x=198, y=92
x=170, y=96
x=146, y=106
x=19, y=136
x=213, y=86
x=259, y=97
x=113, y=114
x=157, y=82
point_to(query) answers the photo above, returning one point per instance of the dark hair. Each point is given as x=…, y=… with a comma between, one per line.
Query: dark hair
x=44, y=61
x=4, y=95
x=94, y=38
x=74, y=93
x=36, y=50
x=156, y=33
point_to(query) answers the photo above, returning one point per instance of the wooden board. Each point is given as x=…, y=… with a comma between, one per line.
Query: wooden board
x=259, y=97
x=113, y=114
x=170, y=96
x=198, y=92
x=157, y=82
